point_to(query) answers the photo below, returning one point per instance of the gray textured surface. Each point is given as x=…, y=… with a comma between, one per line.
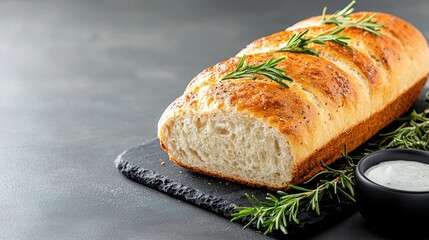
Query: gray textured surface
x=81, y=81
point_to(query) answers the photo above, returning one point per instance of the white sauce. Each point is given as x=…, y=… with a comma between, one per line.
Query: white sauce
x=400, y=174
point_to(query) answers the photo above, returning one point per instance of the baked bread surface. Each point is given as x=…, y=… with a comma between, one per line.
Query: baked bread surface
x=257, y=132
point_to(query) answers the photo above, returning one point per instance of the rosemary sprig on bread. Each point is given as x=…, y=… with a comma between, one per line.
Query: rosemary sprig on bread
x=342, y=17
x=367, y=24
x=267, y=69
x=299, y=42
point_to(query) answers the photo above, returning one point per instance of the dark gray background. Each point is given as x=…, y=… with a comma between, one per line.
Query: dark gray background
x=81, y=81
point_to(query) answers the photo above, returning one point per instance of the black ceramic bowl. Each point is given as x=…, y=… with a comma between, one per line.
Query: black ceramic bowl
x=387, y=207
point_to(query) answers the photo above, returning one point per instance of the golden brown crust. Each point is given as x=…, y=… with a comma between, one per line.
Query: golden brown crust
x=352, y=137
x=358, y=134
x=289, y=111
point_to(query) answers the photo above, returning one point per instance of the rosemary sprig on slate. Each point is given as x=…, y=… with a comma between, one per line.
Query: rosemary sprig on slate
x=413, y=133
x=276, y=213
x=268, y=69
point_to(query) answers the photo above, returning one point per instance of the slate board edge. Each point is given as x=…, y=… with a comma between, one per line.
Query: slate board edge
x=173, y=188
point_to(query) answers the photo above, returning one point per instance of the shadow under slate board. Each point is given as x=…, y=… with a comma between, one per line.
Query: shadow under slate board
x=148, y=164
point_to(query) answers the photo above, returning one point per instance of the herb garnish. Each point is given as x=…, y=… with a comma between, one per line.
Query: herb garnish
x=267, y=69
x=276, y=213
x=342, y=17
x=367, y=24
x=298, y=43
x=413, y=133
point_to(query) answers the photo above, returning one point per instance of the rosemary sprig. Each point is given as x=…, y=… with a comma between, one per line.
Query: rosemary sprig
x=267, y=69
x=276, y=213
x=413, y=133
x=340, y=16
x=298, y=43
x=367, y=24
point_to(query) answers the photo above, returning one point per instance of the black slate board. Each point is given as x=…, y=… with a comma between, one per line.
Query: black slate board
x=148, y=164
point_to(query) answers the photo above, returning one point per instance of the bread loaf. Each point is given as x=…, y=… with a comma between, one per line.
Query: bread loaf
x=260, y=133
